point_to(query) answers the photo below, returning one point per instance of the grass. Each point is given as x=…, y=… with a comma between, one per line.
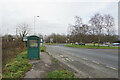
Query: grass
x=9, y=54
x=55, y=60
x=91, y=46
x=49, y=43
x=42, y=49
x=60, y=74
x=17, y=67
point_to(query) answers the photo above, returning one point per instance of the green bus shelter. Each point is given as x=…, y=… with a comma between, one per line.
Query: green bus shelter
x=33, y=47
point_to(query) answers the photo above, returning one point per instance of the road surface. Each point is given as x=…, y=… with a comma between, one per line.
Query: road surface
x=95, y=63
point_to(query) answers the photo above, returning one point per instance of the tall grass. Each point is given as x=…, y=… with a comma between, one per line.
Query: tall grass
x=17, y=67
x=10, y=49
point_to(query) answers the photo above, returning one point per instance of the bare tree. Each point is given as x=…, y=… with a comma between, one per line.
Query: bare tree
x=78, y=30
x=78, y=21
x=109, y=24
x=24, y=29
x=98, y=24
x=40, y=35
x=93, y=28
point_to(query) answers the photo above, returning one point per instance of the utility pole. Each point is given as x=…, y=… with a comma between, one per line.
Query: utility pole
x=34, y=23
x=16, y=32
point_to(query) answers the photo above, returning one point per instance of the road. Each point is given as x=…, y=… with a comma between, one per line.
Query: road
x=95, y=63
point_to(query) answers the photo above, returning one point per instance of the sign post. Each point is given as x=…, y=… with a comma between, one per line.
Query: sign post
x=25, y=40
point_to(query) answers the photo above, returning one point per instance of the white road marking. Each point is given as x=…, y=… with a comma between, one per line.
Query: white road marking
x=111, y=67
x=95, y=62
x=85, y=58
x=61, y=55
x=67, y=59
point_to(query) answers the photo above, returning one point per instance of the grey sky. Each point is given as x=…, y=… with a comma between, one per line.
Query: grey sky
x=54, y=15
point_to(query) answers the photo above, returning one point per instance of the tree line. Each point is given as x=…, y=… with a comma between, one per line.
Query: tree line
x=100, y=29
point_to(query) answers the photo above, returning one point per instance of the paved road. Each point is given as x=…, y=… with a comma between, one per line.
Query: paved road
x=103, y=62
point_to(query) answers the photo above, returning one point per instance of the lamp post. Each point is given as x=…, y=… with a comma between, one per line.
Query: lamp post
x=34, y=23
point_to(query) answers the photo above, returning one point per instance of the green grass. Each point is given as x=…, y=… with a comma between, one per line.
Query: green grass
x=49, y=43
x=9, y=54
x=17, y=67
x=42, y=49
x=61, y=74
x=91, y=46
x=55, y=60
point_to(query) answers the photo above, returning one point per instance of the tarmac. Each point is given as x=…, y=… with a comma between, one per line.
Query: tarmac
x=42, y=67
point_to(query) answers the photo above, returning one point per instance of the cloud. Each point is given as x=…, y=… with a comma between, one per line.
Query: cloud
x=55, y=15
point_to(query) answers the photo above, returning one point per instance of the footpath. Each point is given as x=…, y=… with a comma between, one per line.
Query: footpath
x=43, y=66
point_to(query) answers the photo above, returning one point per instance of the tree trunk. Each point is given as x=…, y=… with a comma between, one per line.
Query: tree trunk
x=99, y=43
x=94, y=43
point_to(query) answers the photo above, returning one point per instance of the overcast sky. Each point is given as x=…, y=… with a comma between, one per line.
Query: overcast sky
x=54, y=15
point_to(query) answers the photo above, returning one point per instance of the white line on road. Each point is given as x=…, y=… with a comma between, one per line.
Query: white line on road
x=85, y=58
x=111, y=67
x=61, y=55
x=63, y=59
x=95, y=62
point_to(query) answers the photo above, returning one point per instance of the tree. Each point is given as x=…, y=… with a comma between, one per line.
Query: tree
x=57, y=38
x=93, y=28
x=98, y=29
x=109, y=23
x=24, y=29
x=40, y=35
x=97, y=22
x=79, y=30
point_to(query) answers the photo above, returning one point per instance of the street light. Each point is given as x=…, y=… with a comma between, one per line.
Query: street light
x=34, y=23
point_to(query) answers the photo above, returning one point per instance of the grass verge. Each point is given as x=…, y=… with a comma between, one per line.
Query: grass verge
x=90, y=46
x=60, y=74
x=49, y=43
x=17, y=67
x=42, y=49
x=55, y=60
x=9, y=54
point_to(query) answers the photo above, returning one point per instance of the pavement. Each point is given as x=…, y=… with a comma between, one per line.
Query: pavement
x=90, y=63
x=42, y=67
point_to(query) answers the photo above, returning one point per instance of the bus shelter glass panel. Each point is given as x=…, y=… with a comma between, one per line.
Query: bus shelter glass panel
x=33, y=43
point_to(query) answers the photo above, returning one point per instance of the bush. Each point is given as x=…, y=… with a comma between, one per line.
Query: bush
x=10, y=48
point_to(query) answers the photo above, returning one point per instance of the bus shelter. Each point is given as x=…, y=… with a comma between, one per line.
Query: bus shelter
x=33, y=47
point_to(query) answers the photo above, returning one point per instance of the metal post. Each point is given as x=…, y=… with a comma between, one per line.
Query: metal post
x=34, y=25
x=24, y=45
